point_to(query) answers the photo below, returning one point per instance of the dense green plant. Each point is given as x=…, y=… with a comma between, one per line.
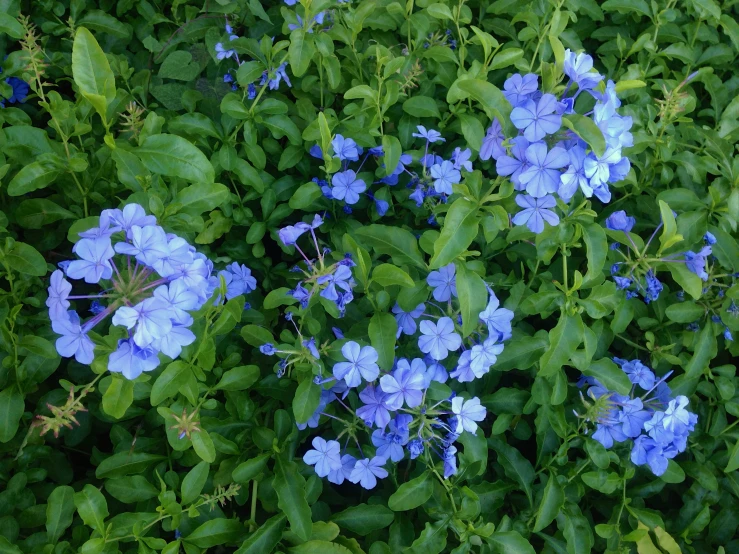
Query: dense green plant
x=323, y=145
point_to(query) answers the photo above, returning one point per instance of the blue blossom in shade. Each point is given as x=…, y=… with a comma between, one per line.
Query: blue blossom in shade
x=96, y=307
x=326, y=397
x=431, y=159
x=654, y=287
x=445, y=175
x=463, y=372
x=280, y=74
x=312, y=348
x=461, y=159
x=177, y=254
x=347, y=187
x=578, y=68
x=74, y=340
x=450, y=461
x=223, y=53
x=361, y=364
x=620, y=221
x=374, y=410
x=444, y=282
x=709, y=238
x=345, y=148
x=337, y=332
x=59, y=289
x=542, y=176
x=727, y=334
x=519, y=88
x=251, y=91
x=492, y=144
x=439, y=338
x=407, y=320
x=341, y=278
x=677, y=418
x=171, y=344
x=418, y=195
x=338, y=476
x=151, y=317
x=574, y=177
x=382, y=206
x=106, y=226
x=597, y=168
x=482, y=356
x=316, y=152
x=696, y=262
x=609, y=431
x=647, y=451
x=131, y=361
x=179, y=298
x=94, y=264
x=301, y=294
x=468, y=413
x=290, y=234
x=20, y=90
x=515, y=164
x=130, y=215
x=639, y=374
x=366, y=472
x=390, y=445
x=535, y=212
x=430, y=135
x=242, y=281
x=497, y=319
x=633, y=416
x=148, y=244
x=228, y=78
x=622, y=283
x=325, y=456
x=404, y=385
x=434, y=372
x=415, y=447
x=537, y=119
x=392, y=179
x=291, y=2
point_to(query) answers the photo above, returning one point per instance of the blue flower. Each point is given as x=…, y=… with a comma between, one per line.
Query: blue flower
x=338, y=476
x=597, y=168
x=179, y=298
x=130, y=215
x=463, y=373
x=537, y=119
x=418, y=195
x=325, y=456
x=620, y=221
x=415, y=447
x=59, y=289
x=311, y=346
x=151, y=317
x=647, y=451
x=609, y=431
x=444, y=282
x=515, y=164
x=301, y=294
x=536, y=211
x=430, y=135
x=347, y=187
x=577, y=67
x=94, y=264
x=148, y=244
x=709, y=238
x=542, y=176
x=407, y=320
x=361, y=364
x=492, y=144
x=696, y=262
x=223, y=53
x=639, y=374
x=450, y=461
x=727, y=334
x=20, y=90
x=498, y=320
x=74, y=340
x=171, y=344
x=574, y=177
x=622, y=282
x=374, y=410
x=445, y=175
x=461, y=159
x=405, y=385
x=482, y=356
x=519, y=88
x=345, y=148
x=367, y=471
x=468, y=413
x=390, y=445
x=633, y=416
x=677, y=418
x=439, y=338
x=131, y=361
x=382, y=206
x=341, y=277
x=654, y=287
x=242, y=281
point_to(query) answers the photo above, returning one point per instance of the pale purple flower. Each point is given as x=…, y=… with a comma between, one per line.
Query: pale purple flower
x=405, y=385
x=519, y=88
x=407, y=320
x=542, y=176
x=439, y=338
x=468, y=413
x=444, y=282
x=537, y=119
x=74, y=340
x=536, y=211
x=59, y=289
x=430, y=135
x=362, y=363
x=492, y=144
x=515, y=164
x=347, y=187
x=367, y=471
x=325, y=456
x=94, y=264
x=445, y=175
x=131, y=361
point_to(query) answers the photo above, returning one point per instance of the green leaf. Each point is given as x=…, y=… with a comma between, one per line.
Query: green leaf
x=563, y=341
x=91, y=72
x=11, y=410
x=684, y=312
x=596, y=244
x=169, y=381
x=59, y=512
x=608, y=373
x=506, y=58
x=179, y=65
x=194, y=481
x=249, y=72
x=579, y=534
x=362, y=519
x=726, y=249
x=492, y=100
x=255, y=335
x=688, y=280
x=126, y=463
x=412, y=494
x=102, y=22
x=522, y=353
x=10, y=26
x=37, y=212
x=305, y=195
x=550, y=505
x=388, y=275
x=282, y=126
x=290, y=488
x=92, y=507
x=175, y=156
x=7, y=548
x=319, y=547
x=203, y=446
x=421, y=106
x=627, y=6
x=669, y=230
x=34, y=176
x=392, y=150
x=306, y=400
x=215, y=532
x=24, y=258
x=239, y=378
x=301, y=51
x=382, y=331
x=250, y=469
x=118, y=397
x=516, y=467
x=397, y=243
x=432, y=539
x=131, y=489
x=265, y=538
x=439, y=11
x=510, y=542
x=460, y=229
x=586, y=129
x=31, y=344
x=473, y=297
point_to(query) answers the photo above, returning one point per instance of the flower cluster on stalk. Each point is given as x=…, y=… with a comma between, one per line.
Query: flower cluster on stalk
x=657, y=423
x=152, y=281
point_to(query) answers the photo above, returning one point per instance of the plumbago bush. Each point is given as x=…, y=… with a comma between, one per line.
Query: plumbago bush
x=369, y=276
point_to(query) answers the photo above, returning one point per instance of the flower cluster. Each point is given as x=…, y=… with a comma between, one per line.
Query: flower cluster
x=404, y=411
x=658, y=424
x=545, y=159
x=151, y=282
